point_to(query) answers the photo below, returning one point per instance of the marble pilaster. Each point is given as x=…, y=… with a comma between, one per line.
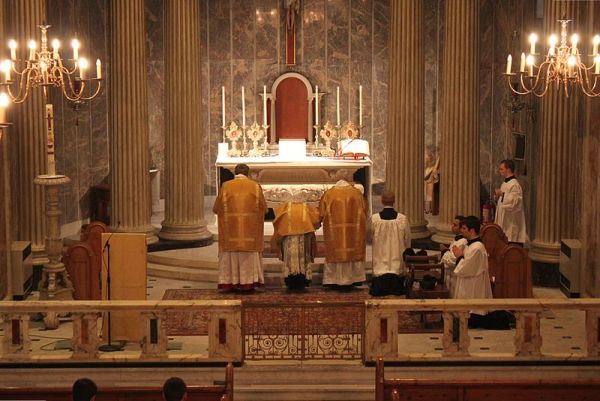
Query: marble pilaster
x=459, y=172
x=27, y=139
x=405, y=140
x=128, y=136
x=184, y=202
x=554, y=201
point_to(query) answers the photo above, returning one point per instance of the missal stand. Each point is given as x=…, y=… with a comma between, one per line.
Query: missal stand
x=109, y=347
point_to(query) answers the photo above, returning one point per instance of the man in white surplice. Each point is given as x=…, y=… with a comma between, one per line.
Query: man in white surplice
x=510, y=215
x=448, y=258
x=390, y=232
x=472, y=276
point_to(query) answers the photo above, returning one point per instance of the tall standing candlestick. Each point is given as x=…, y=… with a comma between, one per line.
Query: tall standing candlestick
x=360, y=105
x=265, y=105
x=338, y=105
x=243, y=107
x=223, y=103
x=317, y=105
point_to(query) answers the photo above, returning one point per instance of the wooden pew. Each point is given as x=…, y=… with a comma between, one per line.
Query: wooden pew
x=483, y=390
x=508, y=264
x=216, y=392
x=83, y=261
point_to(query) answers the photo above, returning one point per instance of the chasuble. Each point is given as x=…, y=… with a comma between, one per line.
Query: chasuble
x=294, y=218
x=344, y=212
x=241, y=208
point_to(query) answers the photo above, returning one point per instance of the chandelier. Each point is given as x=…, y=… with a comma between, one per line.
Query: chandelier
x=562, y=67
x=45, y=68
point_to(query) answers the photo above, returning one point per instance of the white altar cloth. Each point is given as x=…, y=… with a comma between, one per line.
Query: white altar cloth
x=299, y=180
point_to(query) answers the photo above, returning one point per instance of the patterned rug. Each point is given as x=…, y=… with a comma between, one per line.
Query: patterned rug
x=277, y=311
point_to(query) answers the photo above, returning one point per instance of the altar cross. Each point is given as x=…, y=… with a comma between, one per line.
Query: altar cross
x=291, y=14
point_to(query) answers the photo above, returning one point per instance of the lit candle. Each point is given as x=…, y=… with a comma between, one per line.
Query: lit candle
x=508, y=63
x=530, y=62
x=553, y=40
x=264, y=105
x=4, y=101
x=522, y=69
x=223, y=103
x=597, y=60
x=338, y=105
x=243, y=107
x=75, y=46
x=32, y=46
x=532, y=39
x=98, y=69
x=12, y=44
x=55, y=46
x=596, y=43
x=360, y=105
x=574, y=41
x=317, y=105
x=5, y=67
x=83, y=65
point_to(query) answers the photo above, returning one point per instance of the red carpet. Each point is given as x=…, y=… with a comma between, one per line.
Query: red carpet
x=278, y=312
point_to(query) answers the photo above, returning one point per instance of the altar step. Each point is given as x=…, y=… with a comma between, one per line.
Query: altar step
x=202, y=265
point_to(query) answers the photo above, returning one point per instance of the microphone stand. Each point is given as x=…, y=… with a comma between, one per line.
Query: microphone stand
x=109, y=347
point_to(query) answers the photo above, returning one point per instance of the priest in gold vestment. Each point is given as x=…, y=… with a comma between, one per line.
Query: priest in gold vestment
x=294, y=236
x=240, y=208
x=344, y=212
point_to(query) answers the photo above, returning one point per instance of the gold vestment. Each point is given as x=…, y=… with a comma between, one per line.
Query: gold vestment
x=241, y=208
x=344, y=213
x=293, y=218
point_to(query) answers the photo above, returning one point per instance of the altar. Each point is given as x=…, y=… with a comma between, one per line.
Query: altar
x=304, y=180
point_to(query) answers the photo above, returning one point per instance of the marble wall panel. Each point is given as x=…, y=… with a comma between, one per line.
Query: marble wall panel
x=381, y=18
x=154, y=11
x=314, y=29
x=487, y=73
x=266, y=29
x=361, y=28
x=337, y=25
x=432, y=57
x=243, y=15
x=219, y=29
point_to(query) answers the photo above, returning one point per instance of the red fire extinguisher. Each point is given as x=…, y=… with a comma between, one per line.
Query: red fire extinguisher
x=487, y=212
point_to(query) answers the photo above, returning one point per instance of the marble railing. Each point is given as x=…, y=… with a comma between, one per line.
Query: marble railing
x=224, y=330
x=380, y=337
x=381, y=328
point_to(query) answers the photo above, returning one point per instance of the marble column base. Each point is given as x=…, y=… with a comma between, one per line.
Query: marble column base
x=444, y=234
x=547, y=252
x=419, y=230
x=150, y=232
x=184, y=232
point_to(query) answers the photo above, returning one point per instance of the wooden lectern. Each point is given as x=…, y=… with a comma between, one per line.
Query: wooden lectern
x=126, y=254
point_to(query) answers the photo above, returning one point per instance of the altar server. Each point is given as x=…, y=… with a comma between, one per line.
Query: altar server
x=344, y=212
x=448, y=258
x=390, y=232
x=472, y=276
x=294, y=237
x=510, y=214
x=240, y=208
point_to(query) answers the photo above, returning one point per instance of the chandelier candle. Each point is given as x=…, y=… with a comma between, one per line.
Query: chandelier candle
x=508, y=64
x=532, y=39
x=596, y=43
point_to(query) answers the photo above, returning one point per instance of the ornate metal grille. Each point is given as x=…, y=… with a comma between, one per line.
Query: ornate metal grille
x=310, y=330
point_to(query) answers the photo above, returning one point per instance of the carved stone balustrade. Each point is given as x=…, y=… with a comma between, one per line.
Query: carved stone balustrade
x=224, y=342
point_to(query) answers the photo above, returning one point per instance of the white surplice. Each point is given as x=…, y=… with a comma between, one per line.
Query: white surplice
x=472, y=276
x=510, y=214
x=390, y=239
x=449, y=261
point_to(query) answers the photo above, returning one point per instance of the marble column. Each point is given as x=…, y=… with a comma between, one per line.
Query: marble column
x=129, y=176
x=554, y=200
x=184, y=202
x=459, y=172
x=405, y=140
x=27, y=138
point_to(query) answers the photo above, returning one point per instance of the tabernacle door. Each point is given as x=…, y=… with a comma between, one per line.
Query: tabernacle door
x=127, y=282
